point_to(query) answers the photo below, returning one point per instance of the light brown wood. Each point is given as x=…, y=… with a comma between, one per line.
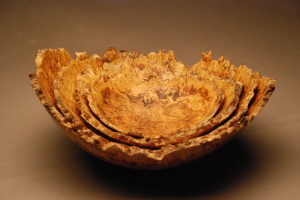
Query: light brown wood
x=74, y=93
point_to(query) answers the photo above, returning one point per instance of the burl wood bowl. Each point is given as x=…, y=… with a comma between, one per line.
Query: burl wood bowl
x=148, y=111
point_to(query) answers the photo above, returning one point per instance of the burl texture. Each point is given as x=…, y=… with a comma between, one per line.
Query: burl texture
x=148, y=111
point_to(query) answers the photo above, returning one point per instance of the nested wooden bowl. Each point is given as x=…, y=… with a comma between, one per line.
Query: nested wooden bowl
x=148, y=111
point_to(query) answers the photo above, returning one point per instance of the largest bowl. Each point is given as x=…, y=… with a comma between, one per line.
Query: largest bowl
x=214, y=100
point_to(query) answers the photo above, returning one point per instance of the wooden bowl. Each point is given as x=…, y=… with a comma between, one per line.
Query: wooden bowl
x=148, y=111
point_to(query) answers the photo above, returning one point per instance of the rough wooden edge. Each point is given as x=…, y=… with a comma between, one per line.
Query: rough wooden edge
x=138, y=158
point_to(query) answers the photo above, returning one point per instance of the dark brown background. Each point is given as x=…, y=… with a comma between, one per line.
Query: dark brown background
x=39, y=162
